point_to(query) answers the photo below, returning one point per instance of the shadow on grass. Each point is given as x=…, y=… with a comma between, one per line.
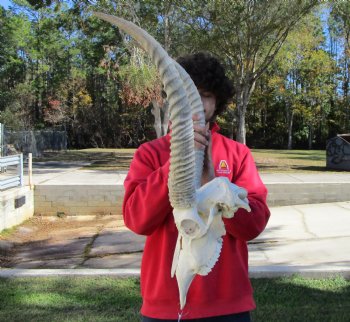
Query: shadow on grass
x=112, y=161
x=307, y=157
x=115, y=163
x=290, y=152
x=109, y=299
x=96, y=159
x=297, y=299
x=84, y=155
x=264, y=166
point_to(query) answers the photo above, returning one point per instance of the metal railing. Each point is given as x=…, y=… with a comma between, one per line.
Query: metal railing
x=14, y=180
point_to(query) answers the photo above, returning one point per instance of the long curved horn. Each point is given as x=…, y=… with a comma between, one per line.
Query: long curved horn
x=200, y=225
x=182, y=191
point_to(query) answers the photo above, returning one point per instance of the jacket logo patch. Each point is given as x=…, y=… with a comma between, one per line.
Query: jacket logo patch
x=223, y=167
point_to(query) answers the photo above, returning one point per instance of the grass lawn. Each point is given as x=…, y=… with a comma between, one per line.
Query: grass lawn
x=290, y=160
x=101, y=159
x=266, y=160
x=110, y=299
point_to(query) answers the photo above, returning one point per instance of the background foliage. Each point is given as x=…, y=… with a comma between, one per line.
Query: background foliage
x=61, y=67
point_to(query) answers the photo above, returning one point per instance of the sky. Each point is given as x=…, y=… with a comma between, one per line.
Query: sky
x=5, y=3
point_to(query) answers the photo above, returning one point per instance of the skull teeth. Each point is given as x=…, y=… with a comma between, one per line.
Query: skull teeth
x=206, y=269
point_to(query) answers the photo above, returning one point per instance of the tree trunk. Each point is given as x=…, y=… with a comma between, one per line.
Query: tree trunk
x=157, y=118
x=310, y=136
x=166, y=32
x=243, y=94
x=290, y=130
x=241, y=134
x=232, y=120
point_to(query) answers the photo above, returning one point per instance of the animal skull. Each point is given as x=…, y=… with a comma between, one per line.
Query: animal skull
x=198, y=211
x=198, y=253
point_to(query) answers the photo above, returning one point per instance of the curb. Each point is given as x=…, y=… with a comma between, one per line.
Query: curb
x=19, y=272
x=254, y=272
x=315, y=271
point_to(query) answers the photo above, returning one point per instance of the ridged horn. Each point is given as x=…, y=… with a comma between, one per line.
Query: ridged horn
x=181, y=183
x=197, y=108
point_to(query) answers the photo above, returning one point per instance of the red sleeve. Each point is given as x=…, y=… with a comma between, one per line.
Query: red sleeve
x=146, y=201
x=248, y=225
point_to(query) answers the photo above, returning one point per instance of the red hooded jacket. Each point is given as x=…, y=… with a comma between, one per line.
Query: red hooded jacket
x=147, y=211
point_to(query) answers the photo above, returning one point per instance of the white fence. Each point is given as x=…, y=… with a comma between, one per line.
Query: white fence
x=14, y=180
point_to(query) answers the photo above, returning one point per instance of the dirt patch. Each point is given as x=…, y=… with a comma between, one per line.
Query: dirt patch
x=32, y=239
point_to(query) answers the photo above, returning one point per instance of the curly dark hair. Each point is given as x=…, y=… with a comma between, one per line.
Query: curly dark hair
x=209, y=75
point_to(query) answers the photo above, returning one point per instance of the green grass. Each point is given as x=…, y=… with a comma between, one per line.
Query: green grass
x=9, y=231
x=266, y=160
x=298, y=299
x=290, y=160
x=69, y=299
x=110, y=299
x=101, y=159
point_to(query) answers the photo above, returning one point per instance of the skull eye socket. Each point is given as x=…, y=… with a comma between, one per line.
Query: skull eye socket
x=189, y=227
x=242, y=194
x=221, y=207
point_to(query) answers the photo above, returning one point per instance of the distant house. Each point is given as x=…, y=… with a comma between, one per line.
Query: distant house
x=338, y=152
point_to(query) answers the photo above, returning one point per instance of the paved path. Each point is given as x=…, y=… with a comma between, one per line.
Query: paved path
x=313, y=240
x=310, y=239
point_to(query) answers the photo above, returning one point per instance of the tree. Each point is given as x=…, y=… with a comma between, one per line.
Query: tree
x=317, y=72
x=249, y=34
x=14, y=95
x=340, y=18
x=141, y=86
x=61, y=66
x=296, y=70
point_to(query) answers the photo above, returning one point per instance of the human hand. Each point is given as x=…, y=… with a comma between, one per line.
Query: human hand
x=208, y=168
x=201, y=134
x=203, y=141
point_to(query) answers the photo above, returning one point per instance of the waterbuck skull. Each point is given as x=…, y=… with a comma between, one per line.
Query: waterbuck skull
x=198, y=211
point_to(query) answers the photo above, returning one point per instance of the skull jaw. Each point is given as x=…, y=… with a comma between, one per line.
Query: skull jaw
x=198, y=256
